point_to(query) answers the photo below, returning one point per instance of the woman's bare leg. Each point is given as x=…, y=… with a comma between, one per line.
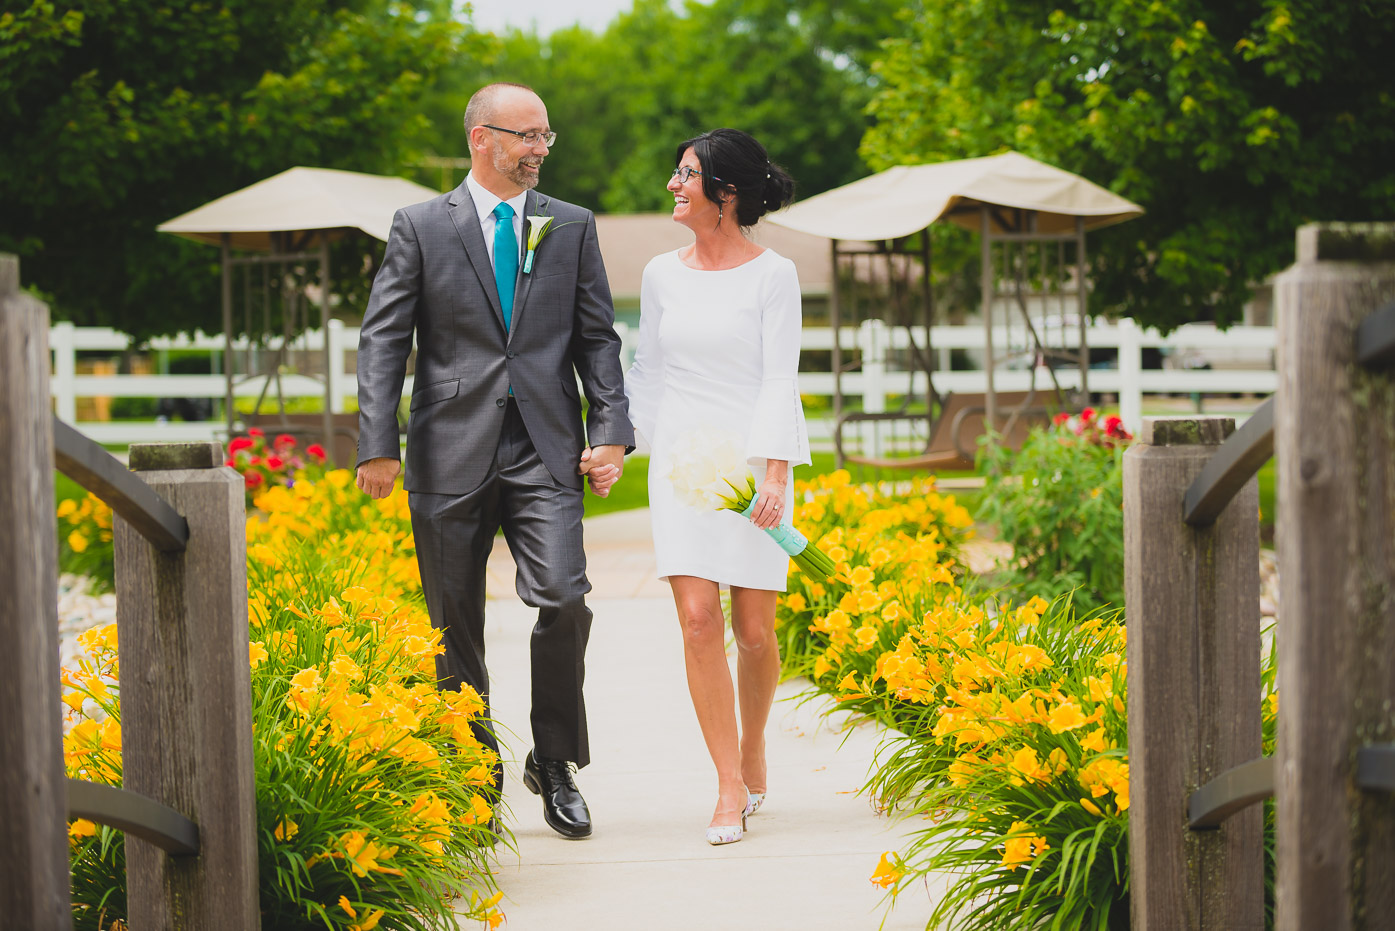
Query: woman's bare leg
x=757, y=674
x=709, y=682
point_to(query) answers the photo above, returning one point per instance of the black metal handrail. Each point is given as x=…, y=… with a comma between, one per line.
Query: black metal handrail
x=1375, y=767
x=135, y=814
x=101, y=473
x=1231, y=791
x=1230, y=467
x=1375, y=338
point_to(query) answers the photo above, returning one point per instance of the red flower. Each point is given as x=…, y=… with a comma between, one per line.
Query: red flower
x=1060, y=418
x=253, y=479
x=255, y=460
x=274, y=462
x=239, y=442
x=316, y=451
x=1088, y=414
x=284, y=440
x=256, y=431
x=231, y=463
x=1111, y=423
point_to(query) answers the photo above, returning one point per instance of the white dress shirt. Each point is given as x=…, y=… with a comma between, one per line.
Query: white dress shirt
x=485, y=202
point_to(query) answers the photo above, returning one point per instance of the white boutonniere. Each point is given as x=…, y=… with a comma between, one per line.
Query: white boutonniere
x=538, y=227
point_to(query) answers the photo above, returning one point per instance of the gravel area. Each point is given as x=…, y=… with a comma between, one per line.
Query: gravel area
x=78, y=610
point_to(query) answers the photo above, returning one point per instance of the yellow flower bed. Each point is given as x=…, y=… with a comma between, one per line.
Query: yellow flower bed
x=1012, y=715
x=1011, y=711
x=84, y=540
x=373, y=791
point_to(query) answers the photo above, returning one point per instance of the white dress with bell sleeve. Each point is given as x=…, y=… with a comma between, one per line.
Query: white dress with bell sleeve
x=718, y=350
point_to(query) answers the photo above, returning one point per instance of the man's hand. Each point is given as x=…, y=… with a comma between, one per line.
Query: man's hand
x=376, y=476
x=602, y=466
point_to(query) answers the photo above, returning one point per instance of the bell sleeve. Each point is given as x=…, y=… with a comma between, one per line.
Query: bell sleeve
x=644, y=382
x=778, y=430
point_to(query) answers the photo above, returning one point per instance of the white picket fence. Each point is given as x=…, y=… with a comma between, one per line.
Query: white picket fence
x=877, y=380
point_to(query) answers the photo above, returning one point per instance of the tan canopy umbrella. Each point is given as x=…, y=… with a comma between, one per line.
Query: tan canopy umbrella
x=300, y=199
x=292, y=218
x=908, y=198
x=1013, y=202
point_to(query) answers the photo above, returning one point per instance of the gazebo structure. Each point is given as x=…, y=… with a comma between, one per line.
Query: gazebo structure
x=278, y=232
x=1031, y=219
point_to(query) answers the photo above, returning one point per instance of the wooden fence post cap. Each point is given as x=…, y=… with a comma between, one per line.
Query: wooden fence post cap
x=9, y=274
x=1186, y=431
x=162, y=457
x=1346, y=242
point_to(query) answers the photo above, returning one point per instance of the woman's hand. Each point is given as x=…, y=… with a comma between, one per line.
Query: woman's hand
x=770, y=506
x=602, y=466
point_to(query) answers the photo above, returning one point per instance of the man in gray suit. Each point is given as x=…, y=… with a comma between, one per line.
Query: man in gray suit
x=495, y=432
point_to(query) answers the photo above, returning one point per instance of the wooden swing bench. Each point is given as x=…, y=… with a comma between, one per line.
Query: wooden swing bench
x=953, y=440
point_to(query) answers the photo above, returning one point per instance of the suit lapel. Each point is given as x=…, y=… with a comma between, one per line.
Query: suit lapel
x=531, y=207
x=467, y=224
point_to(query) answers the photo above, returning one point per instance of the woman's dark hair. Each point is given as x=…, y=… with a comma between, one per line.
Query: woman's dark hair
x=733, y=161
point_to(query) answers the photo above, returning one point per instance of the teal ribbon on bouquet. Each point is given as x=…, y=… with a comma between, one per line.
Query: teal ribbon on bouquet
x=811, y=560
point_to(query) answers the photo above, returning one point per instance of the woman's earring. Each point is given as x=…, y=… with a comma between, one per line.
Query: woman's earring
x=721, y=211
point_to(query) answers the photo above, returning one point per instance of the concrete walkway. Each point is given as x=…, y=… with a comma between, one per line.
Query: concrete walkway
x=807, y=856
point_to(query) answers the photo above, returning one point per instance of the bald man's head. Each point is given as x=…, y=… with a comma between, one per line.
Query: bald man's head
x=509, y=138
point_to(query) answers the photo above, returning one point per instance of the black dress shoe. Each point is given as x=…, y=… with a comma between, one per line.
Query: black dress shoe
x=564, y=809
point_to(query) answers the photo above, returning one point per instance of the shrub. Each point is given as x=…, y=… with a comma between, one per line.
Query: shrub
x=1029, y=814
x=1059, y=502
x=373, y=793
x=84, y=541
x=1012, y=743
x=907, y=538
x=264, y=465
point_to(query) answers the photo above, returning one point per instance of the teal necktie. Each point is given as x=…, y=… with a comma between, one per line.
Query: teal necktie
x=505, y=259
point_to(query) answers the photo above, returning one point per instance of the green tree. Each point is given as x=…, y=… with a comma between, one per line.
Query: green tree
x=1231, y=123
x=795, y=75
x=116, y=116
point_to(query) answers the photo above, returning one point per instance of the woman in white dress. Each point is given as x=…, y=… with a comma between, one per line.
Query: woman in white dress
x=718, y=349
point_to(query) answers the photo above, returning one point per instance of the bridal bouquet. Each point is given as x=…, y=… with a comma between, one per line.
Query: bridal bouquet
x=709, y=471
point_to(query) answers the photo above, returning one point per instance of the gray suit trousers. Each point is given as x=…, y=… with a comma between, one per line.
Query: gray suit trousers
x=541, y=520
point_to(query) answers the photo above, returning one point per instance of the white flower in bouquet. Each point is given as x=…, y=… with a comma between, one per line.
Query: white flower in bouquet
x=708, y=471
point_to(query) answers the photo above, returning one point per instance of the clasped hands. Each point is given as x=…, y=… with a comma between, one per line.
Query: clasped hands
x=602, y=466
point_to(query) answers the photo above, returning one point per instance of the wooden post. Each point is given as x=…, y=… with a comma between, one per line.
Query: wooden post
x=33, y=793
x=1192, y=596
x=1335, y=439
x=186, y=695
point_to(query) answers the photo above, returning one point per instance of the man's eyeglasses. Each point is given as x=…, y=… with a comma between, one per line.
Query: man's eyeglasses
x=684, y=172
x=532, y=137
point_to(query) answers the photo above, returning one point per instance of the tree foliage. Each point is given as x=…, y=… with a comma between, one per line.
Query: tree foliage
x=116, y=116
x=795, y=75
x=1231, y=123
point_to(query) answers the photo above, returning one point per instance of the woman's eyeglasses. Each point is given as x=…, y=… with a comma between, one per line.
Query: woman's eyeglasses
x=685, y=172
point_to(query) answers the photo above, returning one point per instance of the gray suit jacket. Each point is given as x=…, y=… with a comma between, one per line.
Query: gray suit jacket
x=436, y=281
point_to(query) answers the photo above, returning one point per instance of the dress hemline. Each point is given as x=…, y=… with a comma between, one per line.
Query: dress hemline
x=712, y=574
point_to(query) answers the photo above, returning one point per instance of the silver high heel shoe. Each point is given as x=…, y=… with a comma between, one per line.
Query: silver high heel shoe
x=726, y=833
x=754, y=800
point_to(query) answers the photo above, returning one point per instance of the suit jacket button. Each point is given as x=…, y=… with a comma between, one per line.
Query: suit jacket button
x=510, y=353
x=500, y=402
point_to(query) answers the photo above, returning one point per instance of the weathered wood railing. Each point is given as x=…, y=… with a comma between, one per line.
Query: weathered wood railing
x=188, y=803
x=1191, y=538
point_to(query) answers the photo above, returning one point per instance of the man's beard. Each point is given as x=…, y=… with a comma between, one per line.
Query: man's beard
x=514, y=171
